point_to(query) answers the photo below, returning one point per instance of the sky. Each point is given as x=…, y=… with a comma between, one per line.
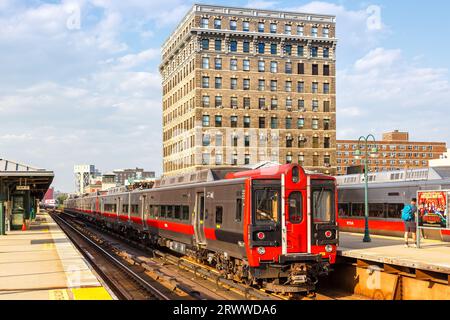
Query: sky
x=79, y=80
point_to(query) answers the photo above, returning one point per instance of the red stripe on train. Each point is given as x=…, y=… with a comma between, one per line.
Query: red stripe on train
x=373, y=224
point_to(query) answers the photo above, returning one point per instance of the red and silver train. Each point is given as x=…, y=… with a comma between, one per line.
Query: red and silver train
x=388, y=193
x=274, y=227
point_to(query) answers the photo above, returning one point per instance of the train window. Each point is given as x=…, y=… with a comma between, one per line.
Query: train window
x=238, y=216
x=322, y=201
x=169, y=212
x=134, y=209
x=358, y=209
x=185, y=213
x=376, y=210
x=163, y=211
x=266, y=205
x=151, y=211
x=219, y=215
x=156, y=211
x=394, y=210
x=125, y=209
x=177, y=214
x=344, y=210
x=295, y=207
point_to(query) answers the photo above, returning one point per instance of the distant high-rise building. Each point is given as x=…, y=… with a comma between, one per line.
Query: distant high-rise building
x=395, y=151
x=124, y=176
x=241, y=86
x=84, y=173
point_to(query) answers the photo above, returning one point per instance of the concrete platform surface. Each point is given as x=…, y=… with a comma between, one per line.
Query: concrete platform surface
x=43, y=264
x=432, y=256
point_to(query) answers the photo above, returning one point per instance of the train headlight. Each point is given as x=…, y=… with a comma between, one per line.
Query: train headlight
x=260, y=235
x=329, y=248
x=261, y=250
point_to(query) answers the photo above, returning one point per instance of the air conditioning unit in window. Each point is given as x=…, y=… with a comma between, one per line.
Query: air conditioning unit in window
x=247, y=107
x=234, y=107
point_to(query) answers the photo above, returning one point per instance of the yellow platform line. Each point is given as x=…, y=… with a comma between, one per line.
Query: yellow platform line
x=94, y=293
x=391, y=238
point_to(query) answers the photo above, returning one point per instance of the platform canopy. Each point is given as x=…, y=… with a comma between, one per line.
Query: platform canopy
x=18, y=176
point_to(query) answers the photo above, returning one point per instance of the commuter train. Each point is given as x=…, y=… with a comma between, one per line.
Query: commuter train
x=273, y=227
x=388, y=193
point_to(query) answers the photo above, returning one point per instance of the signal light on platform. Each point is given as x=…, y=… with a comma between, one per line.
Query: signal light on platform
x=261, y=235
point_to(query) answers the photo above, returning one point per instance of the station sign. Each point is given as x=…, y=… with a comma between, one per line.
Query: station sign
x=433, y=208
x=23, y=188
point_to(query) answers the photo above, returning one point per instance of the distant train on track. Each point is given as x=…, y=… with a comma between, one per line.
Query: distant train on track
x=388, y=193
x=274, y=227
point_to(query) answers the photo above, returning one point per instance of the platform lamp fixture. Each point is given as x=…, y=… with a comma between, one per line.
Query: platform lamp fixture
x=365, y=155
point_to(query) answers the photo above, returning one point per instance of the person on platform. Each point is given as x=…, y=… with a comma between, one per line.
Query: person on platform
x=409, y=218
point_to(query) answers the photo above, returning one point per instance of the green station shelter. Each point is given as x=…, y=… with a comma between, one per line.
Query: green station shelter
x=22, y=187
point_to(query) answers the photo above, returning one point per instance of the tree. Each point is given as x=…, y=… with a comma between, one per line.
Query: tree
x=61, y=198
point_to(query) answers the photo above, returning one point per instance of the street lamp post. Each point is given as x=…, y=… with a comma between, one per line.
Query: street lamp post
x=363, y=141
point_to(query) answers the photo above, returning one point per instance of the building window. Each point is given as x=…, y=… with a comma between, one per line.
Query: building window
x=218, y=63
x=273, y=48
x=301, y=68
x=273, y=28
x=234, y=102
x=326, y=88
x=233, y=64
x=300, y=51
x=301, y=105
x=218, y=45
x=218, y=83
x=217, y=24
x=205, y=23
x=261, y=66
x=205, y=121
x=205, y=63
x=235, y=162
x=300, y=86
x=262, y=122
x=261, y=47
x=233, y=83
x=273, y=85
x=246, y=46
x=260, y=26
x=246, y=65
x=273, y=67
x=315, y=87
x=314, y=32
x=218, y=101
x=326, y=143
x=288, y=67
x=315, y=106
x=235, y=140
x=325, y=32
x=315, y=69
x=233, y=121
x=274, y=123
x=314, y=52
x=300, y=30
x=287, y=29
x=326, y=124
x=246, y=84
x=233, y=25
x=218, y=163
x=326, y=52
x=246, y=141
x=326, y=106
x=218, y=121
x=274, y=104
x=315, y=124
x=205, y=82
x=289, y=158
x=233, y=46
x=206, y=140
x=205, y=44
x=289, y=104
x=245, y=26
x=300, y=123
x=261, y=84
x=288, y=49
x=205, y=159
x=262, y=103
x=301, y=160
x=205, y=101
x=219, y=140
x=247, y=159
x=289, y=123
x=288, y=86
x=246, y=102
x=246, y=121
x=315, y=142
x=326, y=70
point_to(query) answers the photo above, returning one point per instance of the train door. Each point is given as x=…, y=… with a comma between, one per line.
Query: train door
x=296, y=221
x=199, y=218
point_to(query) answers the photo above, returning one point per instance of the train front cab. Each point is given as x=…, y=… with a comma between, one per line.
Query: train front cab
x=291, y=227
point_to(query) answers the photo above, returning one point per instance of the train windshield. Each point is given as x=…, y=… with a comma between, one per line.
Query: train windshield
x=267, y=204
x=323, y=205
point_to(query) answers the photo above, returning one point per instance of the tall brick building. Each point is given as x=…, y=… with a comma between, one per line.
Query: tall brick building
x=395, y=152
x=242, y=86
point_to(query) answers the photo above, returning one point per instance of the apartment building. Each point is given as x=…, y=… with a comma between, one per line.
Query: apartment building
x=241, y=86
x=395, y=152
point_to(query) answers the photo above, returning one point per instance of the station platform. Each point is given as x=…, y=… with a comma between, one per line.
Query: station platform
x=43, y=264
x=433, y=255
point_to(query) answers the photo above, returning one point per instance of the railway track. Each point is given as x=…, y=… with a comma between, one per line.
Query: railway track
x=126, y=282
x=208, y=283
